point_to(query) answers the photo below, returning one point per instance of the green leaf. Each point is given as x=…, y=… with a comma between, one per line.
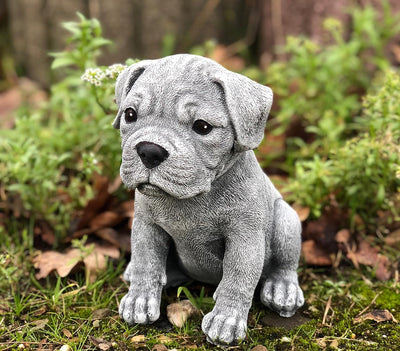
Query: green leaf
x=62, y=61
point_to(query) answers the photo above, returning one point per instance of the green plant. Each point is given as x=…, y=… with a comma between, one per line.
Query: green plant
x=199, y=302
x=320, y=85
x=47, y=162
x=363, y=173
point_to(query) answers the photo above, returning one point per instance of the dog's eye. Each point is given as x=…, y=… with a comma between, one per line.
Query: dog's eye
x=202, y=127
x=130, y=115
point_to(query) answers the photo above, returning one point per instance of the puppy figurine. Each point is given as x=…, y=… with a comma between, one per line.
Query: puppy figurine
x=188, y=128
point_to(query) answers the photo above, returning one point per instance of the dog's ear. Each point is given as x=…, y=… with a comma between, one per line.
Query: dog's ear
x=124, y=84
x=248, y=105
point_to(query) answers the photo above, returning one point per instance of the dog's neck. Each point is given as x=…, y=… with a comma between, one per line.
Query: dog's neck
x=228, y=164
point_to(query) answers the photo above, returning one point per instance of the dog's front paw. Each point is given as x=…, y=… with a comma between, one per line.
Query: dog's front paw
x=282, y=294
x=140, y=307
x=224, y=326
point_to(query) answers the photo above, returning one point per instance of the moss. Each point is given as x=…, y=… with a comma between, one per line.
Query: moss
x=389, y=299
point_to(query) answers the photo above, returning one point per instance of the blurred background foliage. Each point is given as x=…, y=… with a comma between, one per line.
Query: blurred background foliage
x=332, y=141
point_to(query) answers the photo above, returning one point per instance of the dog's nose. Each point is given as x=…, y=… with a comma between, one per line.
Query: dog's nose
x=151, y=154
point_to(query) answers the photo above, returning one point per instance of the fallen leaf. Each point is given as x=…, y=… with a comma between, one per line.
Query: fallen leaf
x=51, y=261
x=159, y=347
x=40, y=311
x=4, y=309
x=39, y=324
x=369, y=256
x=65, y=263
x=343, y=236
x=138, y=338
x=102, y=344
x=95, y=205
x=45, y=232
x=106, y=219
x=259, y=348
x=164, y=339
x=101, y=313
x=67, y=333
x=334, y=344
x=121, y=240
x=97, y=260
x=314, y=255
x=377, y=316
x=393, y=239
x=179, y=312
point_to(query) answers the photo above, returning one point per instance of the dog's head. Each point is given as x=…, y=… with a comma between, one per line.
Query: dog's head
x=183, y=120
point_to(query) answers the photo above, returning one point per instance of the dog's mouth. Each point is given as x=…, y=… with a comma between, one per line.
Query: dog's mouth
x=150, y=189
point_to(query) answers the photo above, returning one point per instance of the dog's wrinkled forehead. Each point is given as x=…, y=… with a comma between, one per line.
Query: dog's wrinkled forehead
x=247, y=102
x=174, y=87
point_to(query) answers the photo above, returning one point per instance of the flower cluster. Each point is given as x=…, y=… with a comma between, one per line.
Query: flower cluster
x=96, y=76
x=113, y=71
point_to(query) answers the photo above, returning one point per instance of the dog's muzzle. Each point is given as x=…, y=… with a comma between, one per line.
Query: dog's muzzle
x=151, y=154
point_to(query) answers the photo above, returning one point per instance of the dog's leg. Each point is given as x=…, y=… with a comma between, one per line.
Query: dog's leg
x=146, y=273
x=281, y=291
x=242, y=267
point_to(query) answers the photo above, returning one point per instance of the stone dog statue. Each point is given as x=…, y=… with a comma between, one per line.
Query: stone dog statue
x=188, y=127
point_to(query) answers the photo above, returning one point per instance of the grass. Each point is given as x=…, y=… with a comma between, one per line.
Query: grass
x=71, y=311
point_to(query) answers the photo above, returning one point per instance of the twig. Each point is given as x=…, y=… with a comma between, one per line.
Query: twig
x=396, y=278
x=327, y=307
x=372, y=302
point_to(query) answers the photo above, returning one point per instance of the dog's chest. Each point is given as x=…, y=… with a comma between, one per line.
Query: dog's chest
x=185, y=220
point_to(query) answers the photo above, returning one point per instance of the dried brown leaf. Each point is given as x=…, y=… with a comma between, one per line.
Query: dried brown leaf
x=105, y=219
x=334, y=344
x=164, y=339
x=39, y=324
x=343, y=236
x=42, y=310
x=138, y=338
x=95, y=205
x=259, y=348
x=121, y=240
x=97, y=260
x=64, y=263
x=4, y=309
x=67, y=333
x=50, y=261
x=101, y=313
x=45, y=232
x=102, y=344
x=393, y=239
x=369, y=256
x=314, y=255
x=377, y=316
